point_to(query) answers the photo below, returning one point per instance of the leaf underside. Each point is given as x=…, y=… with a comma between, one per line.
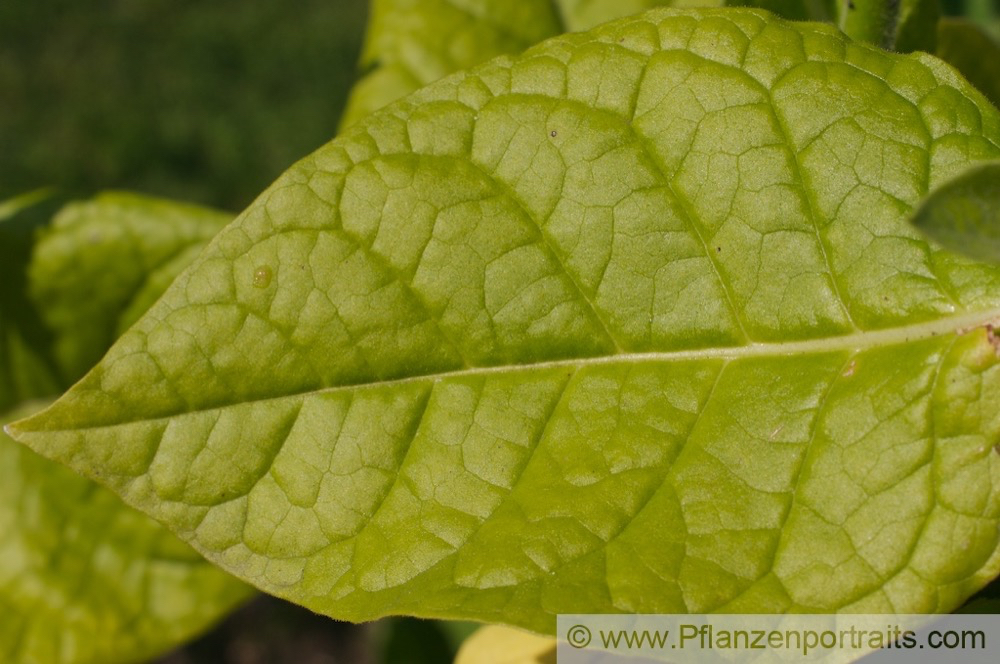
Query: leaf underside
x=631, y=322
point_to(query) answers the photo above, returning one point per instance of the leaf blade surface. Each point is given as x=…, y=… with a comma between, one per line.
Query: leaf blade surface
x=630, y=322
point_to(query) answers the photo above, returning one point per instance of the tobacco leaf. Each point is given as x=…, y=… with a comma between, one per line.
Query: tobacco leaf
x=631, y=322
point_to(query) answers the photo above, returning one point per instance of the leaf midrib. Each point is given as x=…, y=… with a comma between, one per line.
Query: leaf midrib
x=854, y=342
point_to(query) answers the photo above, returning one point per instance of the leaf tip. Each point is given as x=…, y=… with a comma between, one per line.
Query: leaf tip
x=27, y=423
x=17, y=430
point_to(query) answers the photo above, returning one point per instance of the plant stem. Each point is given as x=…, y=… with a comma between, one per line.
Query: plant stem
x=872, y=21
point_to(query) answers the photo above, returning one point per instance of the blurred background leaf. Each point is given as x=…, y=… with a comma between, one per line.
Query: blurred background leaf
x=984, y=12
x=27, y=370
x=974, y=51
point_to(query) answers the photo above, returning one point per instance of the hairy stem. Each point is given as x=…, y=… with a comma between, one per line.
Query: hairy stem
x=872, y=21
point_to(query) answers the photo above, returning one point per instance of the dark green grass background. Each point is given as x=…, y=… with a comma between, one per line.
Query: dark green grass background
x=200, y=100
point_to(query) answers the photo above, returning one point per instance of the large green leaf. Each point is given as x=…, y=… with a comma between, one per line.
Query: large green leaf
x=411, y=43
x=83, y=578
x=634, y=321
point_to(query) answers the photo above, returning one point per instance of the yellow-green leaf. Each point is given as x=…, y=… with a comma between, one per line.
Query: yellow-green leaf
x=85, y=579
x=496, y=644
x=631, y=322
